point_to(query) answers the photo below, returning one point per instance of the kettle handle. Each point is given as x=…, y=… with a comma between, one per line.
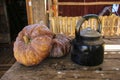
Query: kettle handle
x=87, y=17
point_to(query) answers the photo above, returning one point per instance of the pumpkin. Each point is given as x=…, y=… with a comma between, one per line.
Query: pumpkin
x=60, y=46
x=33, y=44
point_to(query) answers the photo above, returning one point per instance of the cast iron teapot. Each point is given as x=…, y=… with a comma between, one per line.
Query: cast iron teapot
x=87, y=46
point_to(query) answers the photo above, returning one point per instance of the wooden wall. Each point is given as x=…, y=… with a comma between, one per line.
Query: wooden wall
x=4, y=24
x=66, y=25
x=80, y=10
x=36, y=8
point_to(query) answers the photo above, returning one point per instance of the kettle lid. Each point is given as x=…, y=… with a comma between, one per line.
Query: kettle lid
x=88, y=32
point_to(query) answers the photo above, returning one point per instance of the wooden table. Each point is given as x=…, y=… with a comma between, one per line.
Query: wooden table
x=65, y=69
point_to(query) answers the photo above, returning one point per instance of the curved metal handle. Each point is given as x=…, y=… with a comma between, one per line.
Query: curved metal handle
x=87, y=17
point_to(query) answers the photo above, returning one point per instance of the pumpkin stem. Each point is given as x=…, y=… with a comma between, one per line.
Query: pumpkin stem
x=26, y=39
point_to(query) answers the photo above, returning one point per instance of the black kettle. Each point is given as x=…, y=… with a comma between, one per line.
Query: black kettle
x=88, y=45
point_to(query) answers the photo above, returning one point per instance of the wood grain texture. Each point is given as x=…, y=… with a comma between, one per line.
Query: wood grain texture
x=6, y=58
x=36, y=11
x=88, y=3
x=82, y=7
x=65, y=69
x=39, y=14
x=29, y=11
x=110, y=25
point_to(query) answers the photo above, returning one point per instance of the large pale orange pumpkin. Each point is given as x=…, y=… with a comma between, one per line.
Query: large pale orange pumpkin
x=33, y=44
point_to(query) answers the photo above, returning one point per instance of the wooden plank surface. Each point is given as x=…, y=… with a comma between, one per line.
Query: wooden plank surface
x=65, y=69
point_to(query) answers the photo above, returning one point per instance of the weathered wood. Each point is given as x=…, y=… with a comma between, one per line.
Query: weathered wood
x=4, y=67
x=6, y=57
x=64, y=69
x=6, y=54
x=55, y=8
x=2, y=73
x=89, y=3
x=36, y=11
x=4, y=24
x=29, y=11
x=110, y=25
x=110, y=40
x=39, y=14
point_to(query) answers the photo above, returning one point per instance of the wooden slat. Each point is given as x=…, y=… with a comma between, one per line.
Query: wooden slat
x=6, y=54
x=12, y=60
x=29, y=11
x=2, y=73
x=110, y=25
x=6, y=58
x=88, y=3
x=112, y=55
x=55, y=8
x=49, y=8
x=5, y=65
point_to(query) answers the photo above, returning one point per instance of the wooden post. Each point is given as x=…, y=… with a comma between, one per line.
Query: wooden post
x=29, y=11
x=55, y=7
x=36, y=11
x=50, y=12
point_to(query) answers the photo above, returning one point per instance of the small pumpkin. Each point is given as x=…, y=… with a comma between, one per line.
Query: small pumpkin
x=60, y=46
x=33, y=44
